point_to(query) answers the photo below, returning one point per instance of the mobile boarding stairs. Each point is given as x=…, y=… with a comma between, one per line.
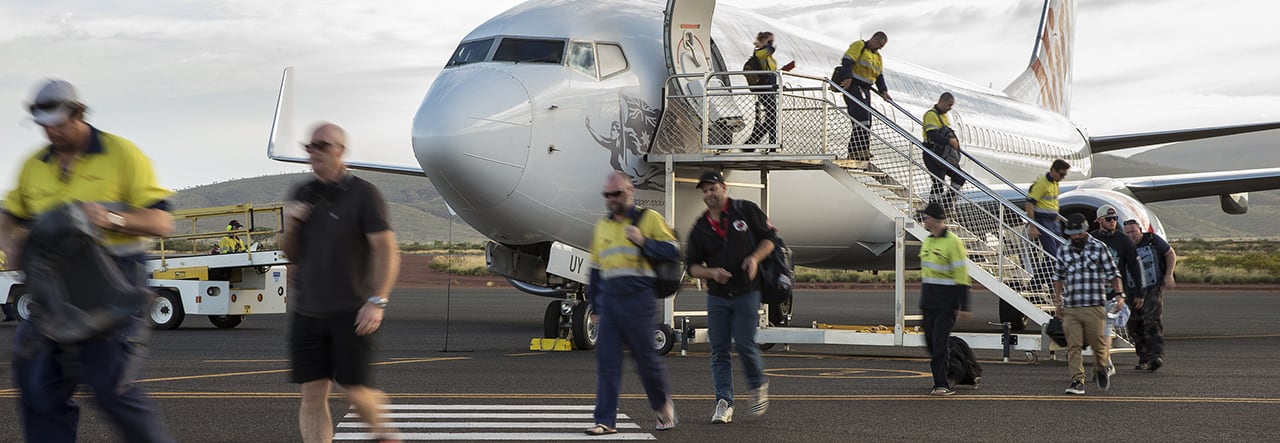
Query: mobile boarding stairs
x=707, y=120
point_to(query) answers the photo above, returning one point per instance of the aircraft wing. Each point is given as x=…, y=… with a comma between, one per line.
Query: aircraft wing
x=284, y=113
x=1158, y=188
x=1201, y=184
x=1116, y=142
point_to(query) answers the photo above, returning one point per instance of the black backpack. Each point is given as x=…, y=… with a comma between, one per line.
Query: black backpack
x=753, y=64
x=776, y=271
x=963, y=369
x=670, y=273
x=79, y=290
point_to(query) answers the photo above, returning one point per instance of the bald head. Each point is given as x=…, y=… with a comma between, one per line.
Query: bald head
x=331, y=133
x=325, y=150
x=617, y=193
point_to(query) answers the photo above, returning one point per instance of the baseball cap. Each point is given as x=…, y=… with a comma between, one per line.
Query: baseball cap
x=48, y=108
x=933, y=210
x=710, y=176
x=1106, y=210
x=1076, y=224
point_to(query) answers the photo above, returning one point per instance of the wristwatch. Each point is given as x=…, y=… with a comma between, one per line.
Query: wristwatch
x=116, y=219
x=379, y=302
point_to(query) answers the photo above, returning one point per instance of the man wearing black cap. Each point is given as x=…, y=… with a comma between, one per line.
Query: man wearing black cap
x=121, y=197
x=944, y=291
x=231, y=243
x=726, y=245
x=1079, y=296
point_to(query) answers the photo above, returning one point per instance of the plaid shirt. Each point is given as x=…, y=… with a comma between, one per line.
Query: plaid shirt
x=1085, y=273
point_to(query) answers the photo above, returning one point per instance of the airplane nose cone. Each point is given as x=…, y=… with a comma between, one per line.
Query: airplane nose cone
x=471, y=135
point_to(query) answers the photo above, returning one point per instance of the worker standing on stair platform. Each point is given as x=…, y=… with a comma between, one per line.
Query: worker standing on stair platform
x=944, y=291
x=861, y=67
x=941, y=139
x=765, y=85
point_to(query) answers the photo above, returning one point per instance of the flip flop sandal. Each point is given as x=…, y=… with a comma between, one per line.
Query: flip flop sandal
x=600, y=430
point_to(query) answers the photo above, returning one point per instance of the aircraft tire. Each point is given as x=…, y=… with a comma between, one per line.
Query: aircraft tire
x=664, y=339
x=551, y=321
x=585, y=332
x=1011, y=315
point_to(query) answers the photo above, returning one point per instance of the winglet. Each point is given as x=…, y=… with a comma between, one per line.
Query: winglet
x=284, y=113
x=1047, y=80
x=284, y=116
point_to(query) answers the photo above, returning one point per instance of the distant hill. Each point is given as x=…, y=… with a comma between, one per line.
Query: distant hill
x=417, y=212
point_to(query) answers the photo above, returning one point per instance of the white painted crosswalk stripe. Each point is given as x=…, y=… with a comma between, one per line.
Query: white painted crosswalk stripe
x=491, y=425
x=440, y=422
x=546, y=436
x=517, y=415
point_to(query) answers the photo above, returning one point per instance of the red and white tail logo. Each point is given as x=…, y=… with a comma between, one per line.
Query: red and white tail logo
x=1047, y=81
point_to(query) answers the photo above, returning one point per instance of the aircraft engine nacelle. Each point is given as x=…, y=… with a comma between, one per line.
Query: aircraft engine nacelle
x=1087, y=200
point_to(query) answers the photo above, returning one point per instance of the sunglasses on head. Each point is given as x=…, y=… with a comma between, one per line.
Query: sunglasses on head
x=613, y=194
x=319, y=145
x=45, y=107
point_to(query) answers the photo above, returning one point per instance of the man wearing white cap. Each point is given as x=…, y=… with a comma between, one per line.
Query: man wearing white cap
x=121, y=197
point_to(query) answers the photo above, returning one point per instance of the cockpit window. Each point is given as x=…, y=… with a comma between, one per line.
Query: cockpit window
x=582, y=58
x=470, y=52
x=610, y=59
x=524, y=50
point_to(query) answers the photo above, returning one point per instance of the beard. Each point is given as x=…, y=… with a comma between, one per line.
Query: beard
x=1079, y=243
x=616, y=208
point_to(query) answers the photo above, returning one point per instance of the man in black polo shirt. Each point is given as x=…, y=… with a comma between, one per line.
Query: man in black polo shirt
x=726, y=246
x=338, y=238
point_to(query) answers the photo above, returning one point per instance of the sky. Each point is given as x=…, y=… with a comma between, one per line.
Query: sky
x=194, y=82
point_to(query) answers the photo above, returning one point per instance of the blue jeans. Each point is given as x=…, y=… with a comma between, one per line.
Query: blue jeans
x=734, y=319
x=107, y=363
x=627, y=319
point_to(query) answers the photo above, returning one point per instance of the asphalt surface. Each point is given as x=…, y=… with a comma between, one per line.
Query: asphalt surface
x=453, y=349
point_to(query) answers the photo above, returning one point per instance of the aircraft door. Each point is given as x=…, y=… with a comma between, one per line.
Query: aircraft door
x=687, y=40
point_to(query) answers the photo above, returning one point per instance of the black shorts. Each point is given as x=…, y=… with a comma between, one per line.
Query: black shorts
x=328, y=348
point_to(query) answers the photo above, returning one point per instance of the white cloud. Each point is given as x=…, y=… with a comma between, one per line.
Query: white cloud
x=194, y=82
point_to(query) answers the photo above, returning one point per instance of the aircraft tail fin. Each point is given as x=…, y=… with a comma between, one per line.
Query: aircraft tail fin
x=1047, y=80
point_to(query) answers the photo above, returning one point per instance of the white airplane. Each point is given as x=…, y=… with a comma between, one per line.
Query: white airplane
x=539, y=103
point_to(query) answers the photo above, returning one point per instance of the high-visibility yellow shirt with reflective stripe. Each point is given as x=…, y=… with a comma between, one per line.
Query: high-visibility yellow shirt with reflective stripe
x=867, y=65
x=1044, y=193
x=942, y=260
x=112, y=171
x=616, y=256
x=932, y=122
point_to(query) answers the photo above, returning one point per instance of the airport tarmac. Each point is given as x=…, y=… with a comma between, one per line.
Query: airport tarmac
x=453, y=357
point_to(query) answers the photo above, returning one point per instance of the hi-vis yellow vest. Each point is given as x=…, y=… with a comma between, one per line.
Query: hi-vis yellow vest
x=867, y=66
x=942, y=261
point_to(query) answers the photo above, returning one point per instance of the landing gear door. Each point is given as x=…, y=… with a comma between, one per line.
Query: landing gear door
x=687, y=40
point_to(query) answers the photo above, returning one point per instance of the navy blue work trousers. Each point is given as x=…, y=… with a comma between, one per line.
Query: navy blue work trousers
x=47, y=373
x=937, y=328
x=627, y=320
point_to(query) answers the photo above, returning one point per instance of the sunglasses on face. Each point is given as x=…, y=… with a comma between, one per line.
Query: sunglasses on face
x=613, y=194
x=44, y=107
x=1110, y=218
x=319, y=145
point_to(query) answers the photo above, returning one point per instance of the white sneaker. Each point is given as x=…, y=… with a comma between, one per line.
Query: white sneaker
x=759, y=400
x=724, y=412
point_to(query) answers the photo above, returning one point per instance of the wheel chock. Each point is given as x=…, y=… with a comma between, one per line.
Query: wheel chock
x=550, y=344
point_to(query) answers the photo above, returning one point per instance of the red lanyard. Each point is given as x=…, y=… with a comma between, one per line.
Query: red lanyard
x=720, y=229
